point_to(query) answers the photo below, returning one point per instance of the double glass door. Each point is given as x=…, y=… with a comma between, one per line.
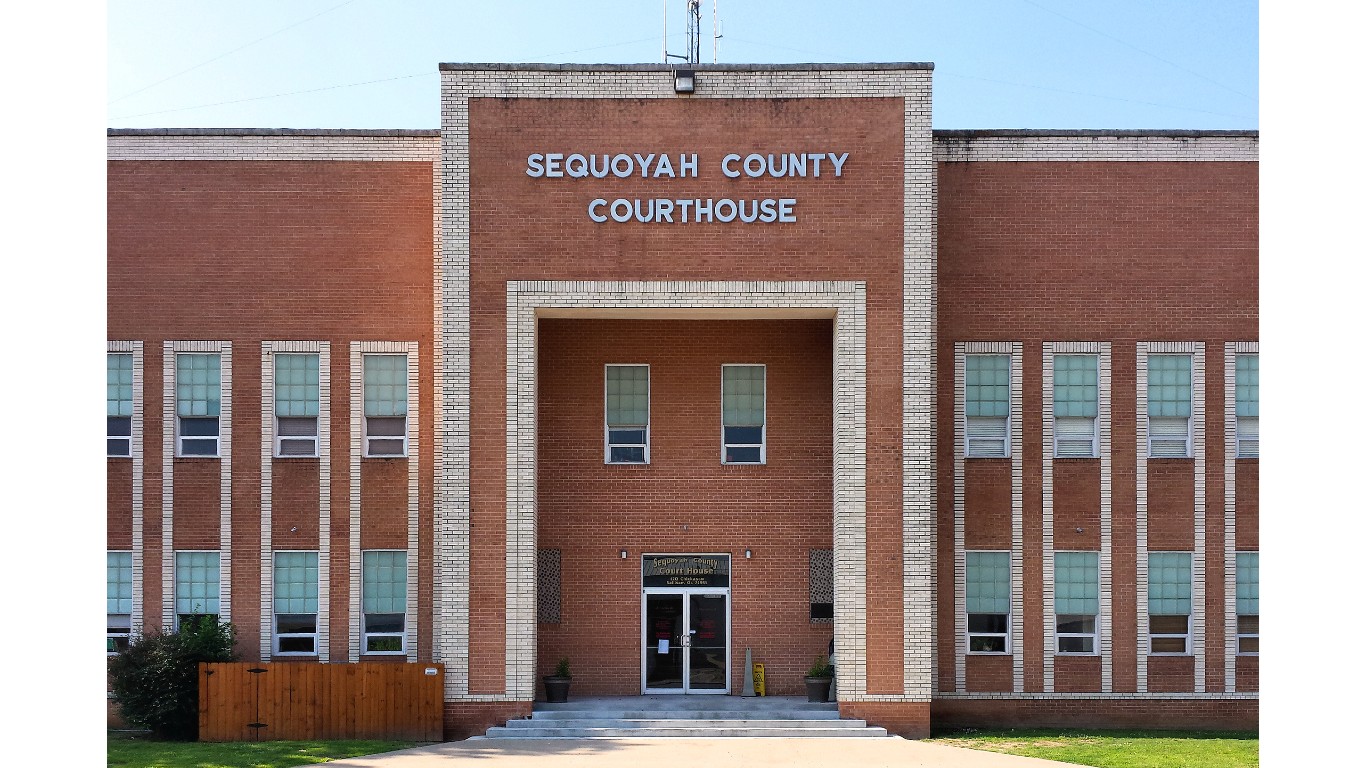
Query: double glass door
x=686, y=640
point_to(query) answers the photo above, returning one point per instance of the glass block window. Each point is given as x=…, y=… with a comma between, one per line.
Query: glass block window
x=627, y=410
x=1246, y=386
x=743, y=392
x=1169, y=406
x=822, y=574
x=1075, y=405
x=296, y=404
x=196, y=584
x=296, y=603
x=988, y=602
x=987, y=405
x=119, y=403
x=1169, y=602
x=548, y=586
x=1248, y=619
x=384, y=600
x=198, y=393
x=1076, y=600
x=119, y=600
x=386, y=405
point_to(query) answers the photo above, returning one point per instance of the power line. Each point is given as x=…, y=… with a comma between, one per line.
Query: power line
x=275, y=95
x=1140, y=50
x=229, y=53
x=1094, y=95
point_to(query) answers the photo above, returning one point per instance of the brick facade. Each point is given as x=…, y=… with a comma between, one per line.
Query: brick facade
x=508, y=300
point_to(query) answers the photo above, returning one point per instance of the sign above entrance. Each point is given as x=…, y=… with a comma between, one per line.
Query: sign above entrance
x=685, y=571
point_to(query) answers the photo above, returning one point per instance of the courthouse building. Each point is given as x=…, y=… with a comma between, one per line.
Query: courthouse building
x=645, y=368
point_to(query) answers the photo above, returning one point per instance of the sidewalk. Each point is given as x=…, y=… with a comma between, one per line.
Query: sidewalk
x=714, y=753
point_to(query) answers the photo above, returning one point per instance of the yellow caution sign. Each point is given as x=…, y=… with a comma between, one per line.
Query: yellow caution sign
x=759, y=680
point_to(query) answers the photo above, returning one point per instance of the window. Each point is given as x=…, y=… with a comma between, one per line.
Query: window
x=196, y=585
x=1074, y=406
x=988, y=406
x=627, y=411
x=384, y=595
x=386, y=405
x=119, y=402
x=296, y=404
x=119, y=596
x=1246, y=389
x=197, y=400
x=1169, y=406
x=988, y=602
x=296, y=603
x=742, y=414
x=1169, y=602
x=1247, y=563
x=1076, y=600
x=822, y=574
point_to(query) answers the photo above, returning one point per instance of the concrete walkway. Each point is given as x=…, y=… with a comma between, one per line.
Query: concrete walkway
x=715, y=753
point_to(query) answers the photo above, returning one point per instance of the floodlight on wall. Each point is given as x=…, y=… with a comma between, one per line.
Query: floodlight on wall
x=684, y=80
x=623, y=554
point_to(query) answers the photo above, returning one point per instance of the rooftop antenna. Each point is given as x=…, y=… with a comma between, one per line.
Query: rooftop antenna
x=694, y=54
x=715, y=33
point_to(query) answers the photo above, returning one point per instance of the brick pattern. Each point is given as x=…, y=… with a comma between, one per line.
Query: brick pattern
x=358, y=350
x=1197, y=620
x=323, y=350
x=968, y=146
x=168, y=459
x=136, y=460
x=1231, y=350
x=282, y=147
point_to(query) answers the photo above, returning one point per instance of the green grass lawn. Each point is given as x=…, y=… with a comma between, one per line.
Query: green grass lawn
x=1117, y=749
x=145, y=752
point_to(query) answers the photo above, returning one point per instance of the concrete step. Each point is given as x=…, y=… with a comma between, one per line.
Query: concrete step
x=666, y=722
x=684, y=730
x=697, y=714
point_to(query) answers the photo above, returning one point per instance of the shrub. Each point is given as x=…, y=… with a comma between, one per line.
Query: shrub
x=155, y=680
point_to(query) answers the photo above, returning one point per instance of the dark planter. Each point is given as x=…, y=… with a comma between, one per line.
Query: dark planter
x=556, y=688
x=818, y=689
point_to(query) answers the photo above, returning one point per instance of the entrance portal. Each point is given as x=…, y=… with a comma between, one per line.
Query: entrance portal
x=685, y=624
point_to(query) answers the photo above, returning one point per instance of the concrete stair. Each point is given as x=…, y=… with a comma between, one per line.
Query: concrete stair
x=684, y=716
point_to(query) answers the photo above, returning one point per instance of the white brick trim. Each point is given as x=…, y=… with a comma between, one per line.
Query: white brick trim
x=1231, y=351
x=135, y=454
x=424, y=149
x=949, y=148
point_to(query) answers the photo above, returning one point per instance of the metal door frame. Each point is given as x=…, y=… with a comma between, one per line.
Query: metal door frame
x=685, y=592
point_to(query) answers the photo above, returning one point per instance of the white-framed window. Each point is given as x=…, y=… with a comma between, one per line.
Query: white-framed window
x=1246, y=386
x=198, y=394
x=987, y=406
x=743, y=414
x=988, y=602
x=119, y=402
x=1169, y=406
x=1075, y=406
x=119, y=596
x=1169, y=603
x=386, y=405
x=384, y=597
x=1076, y=601
x=1248, y=564
x=296, y=404
x=627, y=414
x=196, y=585
x=296, y=604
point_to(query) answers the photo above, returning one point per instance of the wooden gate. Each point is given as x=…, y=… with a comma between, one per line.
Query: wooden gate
x=264, y=702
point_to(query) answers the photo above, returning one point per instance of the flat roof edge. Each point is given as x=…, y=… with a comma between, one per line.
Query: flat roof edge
x=974, y=133
x=401, y=132
x=811, y=67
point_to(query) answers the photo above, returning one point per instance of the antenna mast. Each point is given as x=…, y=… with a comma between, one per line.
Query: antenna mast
x=715, y=32
x=694, y=54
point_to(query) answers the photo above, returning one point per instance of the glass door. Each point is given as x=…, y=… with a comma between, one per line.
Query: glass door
x=686, y=641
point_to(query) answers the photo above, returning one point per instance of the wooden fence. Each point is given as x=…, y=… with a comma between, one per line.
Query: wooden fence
x=264, y=702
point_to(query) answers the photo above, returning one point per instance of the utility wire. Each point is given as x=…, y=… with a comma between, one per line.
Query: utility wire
x=229, y=53
x=1140, y=50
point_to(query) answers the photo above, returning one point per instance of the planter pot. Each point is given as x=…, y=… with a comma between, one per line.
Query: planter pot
x=556, y=688
x=818, y=689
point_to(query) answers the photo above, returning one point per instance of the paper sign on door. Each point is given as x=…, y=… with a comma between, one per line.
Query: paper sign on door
x=663, y=646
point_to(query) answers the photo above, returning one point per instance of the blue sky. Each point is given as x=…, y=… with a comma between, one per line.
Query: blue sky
x=373, y=63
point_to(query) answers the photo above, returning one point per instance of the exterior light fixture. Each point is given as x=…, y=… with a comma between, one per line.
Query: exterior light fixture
x=623, y=554
x=684, y=79
x=748, y=554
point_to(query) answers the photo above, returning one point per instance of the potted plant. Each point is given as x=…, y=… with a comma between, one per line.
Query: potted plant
x=818, y=679
x=557, y=685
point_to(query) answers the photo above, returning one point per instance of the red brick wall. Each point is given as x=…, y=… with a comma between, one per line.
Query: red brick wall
x=247, y=251
x=538, y=229
x=685, y=500
x=1118, y=252
x=1174, y=714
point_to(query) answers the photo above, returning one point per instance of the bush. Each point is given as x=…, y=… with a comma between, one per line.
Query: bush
x=156, y=679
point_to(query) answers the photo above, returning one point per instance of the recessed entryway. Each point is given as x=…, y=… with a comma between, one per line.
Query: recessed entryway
x=685, y=624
